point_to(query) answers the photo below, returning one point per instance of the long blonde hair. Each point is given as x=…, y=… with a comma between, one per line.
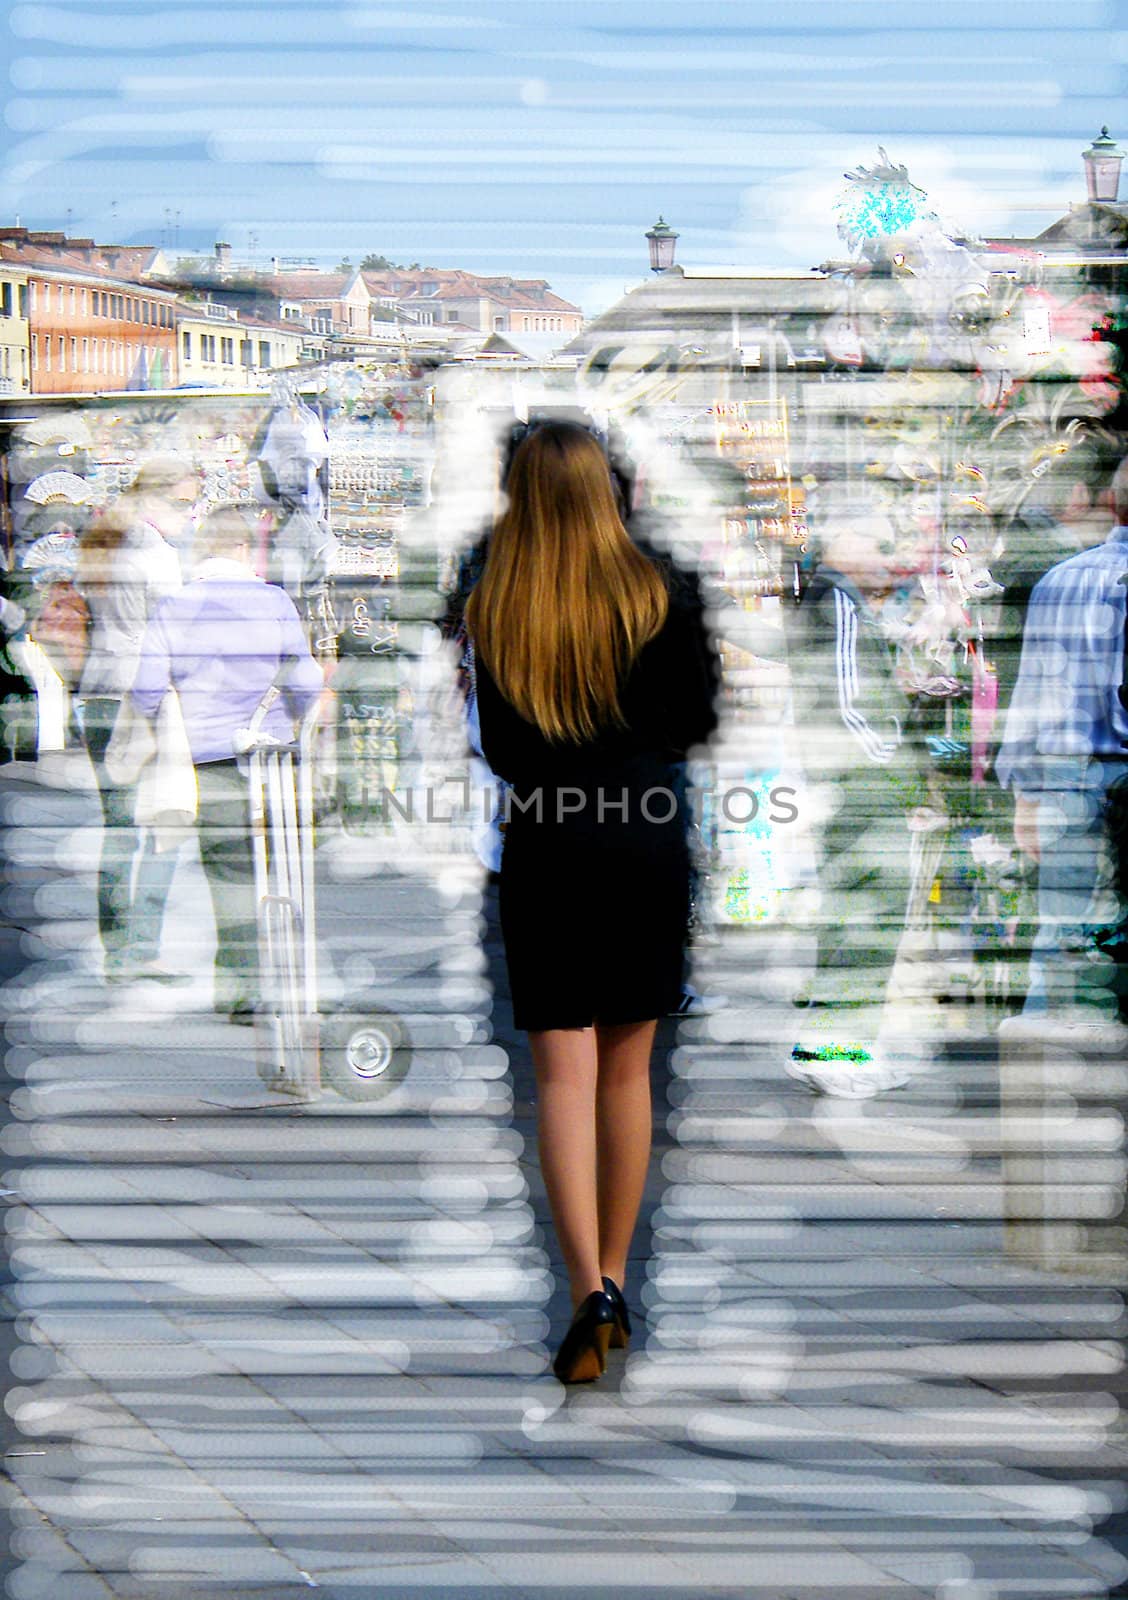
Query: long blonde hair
x=566, y=601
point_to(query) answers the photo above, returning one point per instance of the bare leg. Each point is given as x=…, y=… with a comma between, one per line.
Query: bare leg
x=566, y=1063
x=623, y=1125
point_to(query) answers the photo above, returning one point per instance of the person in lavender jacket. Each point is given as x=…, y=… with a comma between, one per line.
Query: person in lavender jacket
x=221, y=643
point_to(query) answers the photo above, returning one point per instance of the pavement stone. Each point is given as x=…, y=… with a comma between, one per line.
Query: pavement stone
x=259, y=1346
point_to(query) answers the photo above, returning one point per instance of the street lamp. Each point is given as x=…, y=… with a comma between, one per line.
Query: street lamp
x=662, y=242
x=1102, y=169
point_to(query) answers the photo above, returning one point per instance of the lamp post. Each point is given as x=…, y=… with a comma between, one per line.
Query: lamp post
x=1102, y=170
x=662, y=242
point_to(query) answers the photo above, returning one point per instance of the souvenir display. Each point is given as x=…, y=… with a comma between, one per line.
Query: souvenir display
x=379, y=469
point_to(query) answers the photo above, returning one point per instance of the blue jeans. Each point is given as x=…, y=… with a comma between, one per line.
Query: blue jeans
x=1075, y=893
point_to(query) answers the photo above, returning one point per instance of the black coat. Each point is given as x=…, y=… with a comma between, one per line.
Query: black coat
x=594, y=888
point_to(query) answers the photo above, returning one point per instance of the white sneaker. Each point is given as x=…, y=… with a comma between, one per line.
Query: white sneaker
x=848, y=1072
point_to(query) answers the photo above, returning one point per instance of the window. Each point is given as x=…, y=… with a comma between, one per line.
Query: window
x=74, y=299
x=47, y=351
x=5, y=299
x=59, y=298
x=264, y=352
x=82, y=301
x=245, y=357
x=23, y=299
x=62, y=354
x=452, y=316
x=207, y=346
x=499, y=324
x=227, y=351
x=186, y=345
x=31, y=295
x=86, y=355
x=35, y=355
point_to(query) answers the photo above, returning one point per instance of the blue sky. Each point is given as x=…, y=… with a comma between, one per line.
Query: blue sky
x=542, y=138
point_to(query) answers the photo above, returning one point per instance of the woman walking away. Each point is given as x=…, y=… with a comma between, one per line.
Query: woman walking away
x=595, y=677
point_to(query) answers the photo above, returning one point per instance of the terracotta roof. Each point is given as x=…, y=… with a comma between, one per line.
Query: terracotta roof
x=299, y=286
x=452, y=283
x=295, y=329
x=197, y=312
x=61, y=263
x=121, y=260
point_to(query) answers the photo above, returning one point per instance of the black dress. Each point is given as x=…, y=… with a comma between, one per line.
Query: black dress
x=594, y=890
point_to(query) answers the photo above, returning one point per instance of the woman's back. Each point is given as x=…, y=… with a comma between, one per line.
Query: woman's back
x=665, y=697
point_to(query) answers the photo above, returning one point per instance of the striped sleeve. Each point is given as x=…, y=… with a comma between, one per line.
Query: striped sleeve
x=877, y=749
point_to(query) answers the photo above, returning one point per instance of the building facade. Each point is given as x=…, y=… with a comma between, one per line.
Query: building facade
x=441, y=297
x=218, y=347
x=15, y=359
x=92, y=334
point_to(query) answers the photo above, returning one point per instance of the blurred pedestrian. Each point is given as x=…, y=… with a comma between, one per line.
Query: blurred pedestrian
x=223, y=642
x=1064, y=746
x=863, y=780
x=162, y=497
x=124, y=569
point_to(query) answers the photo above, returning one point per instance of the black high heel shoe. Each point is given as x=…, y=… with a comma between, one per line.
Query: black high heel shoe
x=621, y=1333
x=583, y=1355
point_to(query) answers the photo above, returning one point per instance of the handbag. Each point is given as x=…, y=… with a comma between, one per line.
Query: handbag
x=167, y=791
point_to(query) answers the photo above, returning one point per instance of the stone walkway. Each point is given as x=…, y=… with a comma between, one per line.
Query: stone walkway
x=261, y=1348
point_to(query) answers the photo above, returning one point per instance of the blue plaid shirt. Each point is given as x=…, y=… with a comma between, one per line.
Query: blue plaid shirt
x=1065, y=704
